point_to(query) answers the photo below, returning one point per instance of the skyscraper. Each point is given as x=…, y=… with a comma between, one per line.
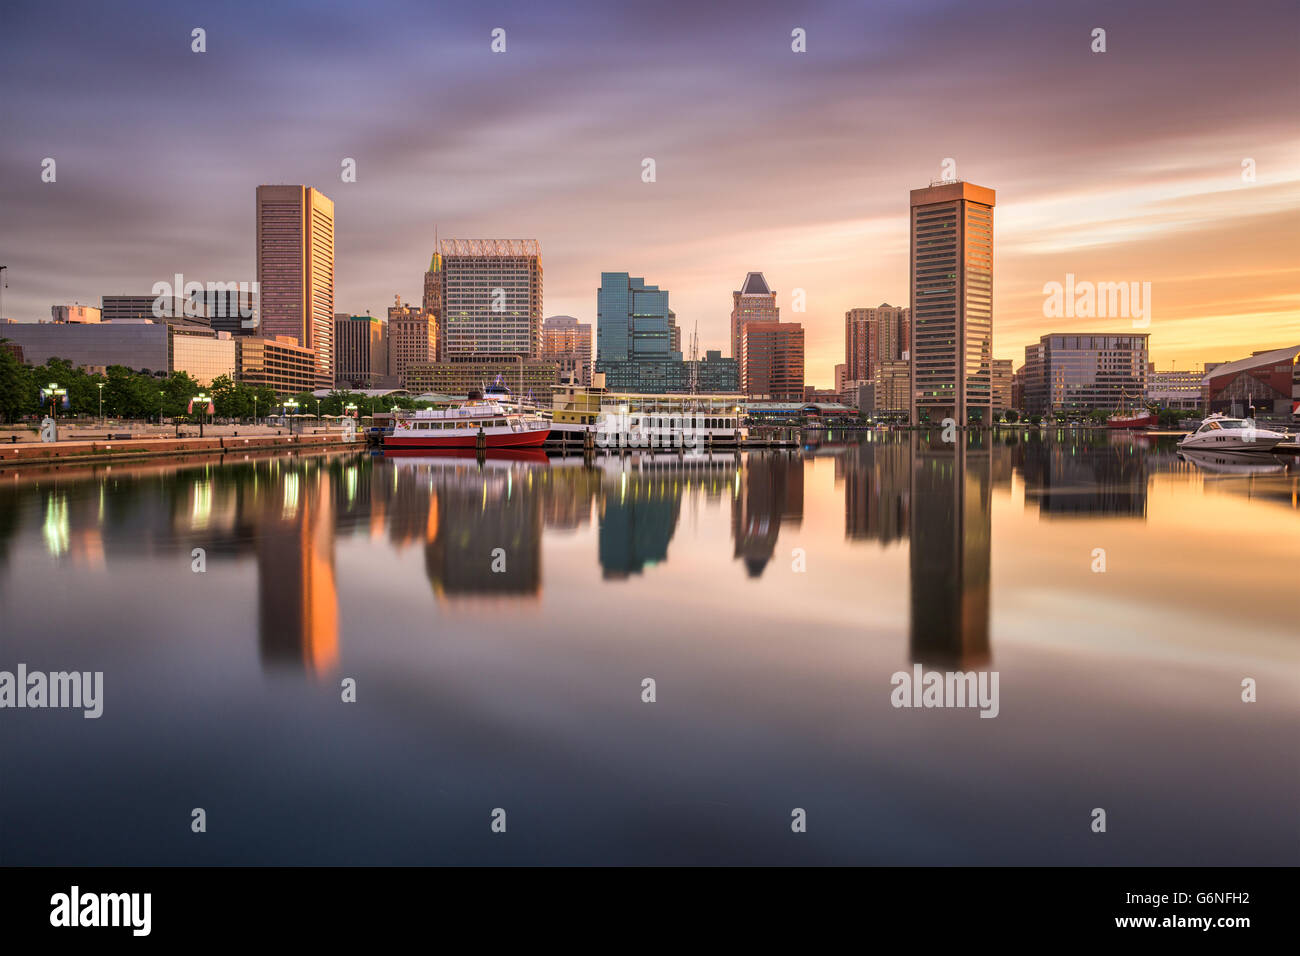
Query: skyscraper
x=771, y=360
x=412, y=339
x=952, y=302
x=872, y=336
x=295, y=270
x=754, y=302
x=491, y=297
x=432, y=302
x=634, y=336
x=360, y=351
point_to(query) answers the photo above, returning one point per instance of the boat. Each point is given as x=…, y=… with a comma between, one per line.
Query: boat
x=461, y=427
x=1138, y=417
x=631, y=420
x=1223, y=433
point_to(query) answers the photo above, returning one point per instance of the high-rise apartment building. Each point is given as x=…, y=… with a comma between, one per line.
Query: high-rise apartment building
x=491, y=297
x=1001, y=383
x=951, y=341
x=772, y=360
x=295, y=270
x=412, y=339
x=567, y=342
x=872, y=336
x=360, y=351
x=754, y=302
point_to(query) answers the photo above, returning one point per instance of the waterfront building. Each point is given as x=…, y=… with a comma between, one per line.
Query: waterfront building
x=753, y=302
x=567, y=342
x=360, y=351
x=75, y=313
x=280, y=363
x=634, y=338
x=530, y=380
x=1175, y=388
x=1267, y=381
x=1070, y=374
x=295, y=270
x=412, y=339
x=143, y=345
x=491, y=298
x=951, y=337
x=772, y=360
x=872, y=336
x=892, y=388
x=1001, y=383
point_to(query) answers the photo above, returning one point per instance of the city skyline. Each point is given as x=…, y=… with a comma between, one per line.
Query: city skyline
x=1105, y=164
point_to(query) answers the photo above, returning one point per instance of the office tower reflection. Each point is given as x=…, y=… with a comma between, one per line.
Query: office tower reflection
x=1084, y=474
x=950, y=552
x=640, y=504
x=770, y=494
x=877, y=489
x=297, y=595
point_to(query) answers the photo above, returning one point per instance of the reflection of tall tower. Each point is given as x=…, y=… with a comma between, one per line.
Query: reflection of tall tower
x=771, y=492
x=297, y=596
x=877, y=483
x=638, y=516
x=951, y=540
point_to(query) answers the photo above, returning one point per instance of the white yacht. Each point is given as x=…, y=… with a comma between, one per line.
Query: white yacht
x=1226, y=434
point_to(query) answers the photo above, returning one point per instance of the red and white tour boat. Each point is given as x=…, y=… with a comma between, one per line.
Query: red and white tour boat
x=460, y=427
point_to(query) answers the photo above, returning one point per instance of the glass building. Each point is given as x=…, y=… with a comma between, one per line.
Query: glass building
x=1067, y=374
x=634, y=336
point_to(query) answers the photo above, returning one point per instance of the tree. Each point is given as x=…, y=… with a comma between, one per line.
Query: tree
x=17, y=387
x=1012, y=416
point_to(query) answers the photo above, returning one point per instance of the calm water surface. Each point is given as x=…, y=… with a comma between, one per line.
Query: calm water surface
x=770, y=596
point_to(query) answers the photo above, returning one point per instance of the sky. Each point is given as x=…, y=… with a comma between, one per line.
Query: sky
x=1122, y=166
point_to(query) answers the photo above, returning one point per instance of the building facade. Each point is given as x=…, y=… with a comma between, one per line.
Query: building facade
x=951, y=338
x=1175, y=389
x=872, y=336
x=531, y=380
x=142, y=345
x=412, y=339
x=1268, y=382
x=1075, y=373
x=567, y=342
x=634, y=336
x=772, y=360
x=116, y=308
x=892, y=388
x=360, y=351
x=295, y=270
x=75, y=313
x=491, y=297
x=281, y=364
x=753, y=302
x=1001, y=382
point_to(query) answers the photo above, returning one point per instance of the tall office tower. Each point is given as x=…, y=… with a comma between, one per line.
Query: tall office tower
x=360, y=351
x=412, y=339
x=491, y=297
x=634, y=336
x=295, y=270
x=771, y=360
x=567, y=341
x=872, y=336
x=952, y=302
x=755, y=302
x=432, y=301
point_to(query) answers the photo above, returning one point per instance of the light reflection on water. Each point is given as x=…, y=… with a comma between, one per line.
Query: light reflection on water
x=499, y=619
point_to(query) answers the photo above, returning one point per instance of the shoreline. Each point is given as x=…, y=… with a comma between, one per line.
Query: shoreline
x=83, y=452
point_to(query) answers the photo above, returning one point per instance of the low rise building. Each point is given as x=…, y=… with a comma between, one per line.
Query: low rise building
x=279, y=363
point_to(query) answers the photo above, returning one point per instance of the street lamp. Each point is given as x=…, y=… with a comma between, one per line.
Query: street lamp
x=204, y=399
x=101, y=402
x=53, y=392
x=288, y=404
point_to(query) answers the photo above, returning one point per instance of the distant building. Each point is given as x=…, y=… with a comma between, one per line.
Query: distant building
x=1267, y=381
x=75, y=313
x=753, y=302
x=143, y=345
x=872, y=336
x=841, y=378
x=892, y=388
x=716, y=374
x=1001, y=380
x=280, y=364
x=772, y=360
x=295, y=270
x=951, y=347
x=117, y=308
x=1081, y=372
x=412, y=339
x=634, y=336
x=360, y=351
x=491, y=297
x=433, y=291
x=1175, y=389
x=232, y=310
x=567, y=342
x=528, y=379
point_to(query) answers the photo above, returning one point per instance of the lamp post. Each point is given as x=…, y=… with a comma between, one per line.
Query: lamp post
x=53, y=393
x=288, y=404
x=204, y=399
x=160, y=407
x=254, y=409
x=101, y=402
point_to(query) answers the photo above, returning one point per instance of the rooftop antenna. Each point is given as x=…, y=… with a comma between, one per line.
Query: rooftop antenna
x=4, y=284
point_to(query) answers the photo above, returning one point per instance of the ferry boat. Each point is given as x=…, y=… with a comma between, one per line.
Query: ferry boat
x=627, y=419
x=460, y=427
